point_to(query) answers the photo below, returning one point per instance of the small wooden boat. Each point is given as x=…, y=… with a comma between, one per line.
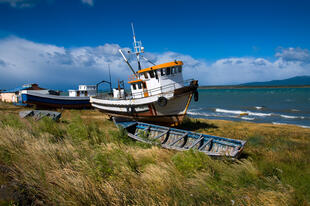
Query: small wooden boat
x=177, y=139
x=39, y=114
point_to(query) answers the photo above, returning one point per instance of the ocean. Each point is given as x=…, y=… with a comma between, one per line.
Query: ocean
x=262, y=105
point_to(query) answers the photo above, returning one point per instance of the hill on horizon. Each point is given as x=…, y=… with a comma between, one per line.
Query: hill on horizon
x=298, y=80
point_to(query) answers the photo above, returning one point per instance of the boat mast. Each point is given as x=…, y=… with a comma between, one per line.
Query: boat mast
x=137, y=45
x=138, y=49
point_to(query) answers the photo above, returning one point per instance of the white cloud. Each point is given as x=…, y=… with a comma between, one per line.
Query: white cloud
x=23, y=61
x=27, y=61
x=89, y=2
x=294, y=54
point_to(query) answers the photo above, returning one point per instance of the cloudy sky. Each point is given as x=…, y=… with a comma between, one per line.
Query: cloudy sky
x=60, y=44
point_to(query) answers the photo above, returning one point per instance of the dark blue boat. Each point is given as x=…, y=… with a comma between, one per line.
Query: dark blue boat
x=181, y=140
x=54, y=101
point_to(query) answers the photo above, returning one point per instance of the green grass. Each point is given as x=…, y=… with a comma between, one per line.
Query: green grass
x=85, y=160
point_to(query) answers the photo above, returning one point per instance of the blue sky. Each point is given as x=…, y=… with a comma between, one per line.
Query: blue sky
x=206, y=33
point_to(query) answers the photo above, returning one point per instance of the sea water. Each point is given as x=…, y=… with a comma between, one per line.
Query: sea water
x=263, y=105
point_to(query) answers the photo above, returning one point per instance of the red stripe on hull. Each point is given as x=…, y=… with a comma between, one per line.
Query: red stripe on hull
x=168, y=120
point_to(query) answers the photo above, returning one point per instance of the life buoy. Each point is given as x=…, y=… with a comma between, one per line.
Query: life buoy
x=196, y=95
x=162, y=101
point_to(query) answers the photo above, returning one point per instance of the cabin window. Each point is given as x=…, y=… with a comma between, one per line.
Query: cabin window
x=179, y=69
x=156, y=74
x=145, y=75
x=139, y=86
x=152, y=74
x=144, y=85
x=168, y=71
x=134, y=86
x=173, y=70
x=162, y=72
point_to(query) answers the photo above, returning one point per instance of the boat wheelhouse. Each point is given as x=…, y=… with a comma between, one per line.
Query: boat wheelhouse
x=158, y=94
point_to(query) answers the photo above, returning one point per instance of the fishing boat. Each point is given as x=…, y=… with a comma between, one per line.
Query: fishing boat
x=158, y=94
x=182, y=140
x=77, y=99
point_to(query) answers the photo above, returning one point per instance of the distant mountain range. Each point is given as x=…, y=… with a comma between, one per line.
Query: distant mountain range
x=296, y=81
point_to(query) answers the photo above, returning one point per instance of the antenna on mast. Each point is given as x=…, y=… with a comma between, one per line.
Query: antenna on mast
x=137, y=45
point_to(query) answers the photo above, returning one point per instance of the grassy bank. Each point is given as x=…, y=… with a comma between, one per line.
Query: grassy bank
x=84, y=160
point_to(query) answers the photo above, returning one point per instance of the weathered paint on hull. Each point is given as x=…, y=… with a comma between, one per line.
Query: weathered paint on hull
x=171, y=120
x=170, y=115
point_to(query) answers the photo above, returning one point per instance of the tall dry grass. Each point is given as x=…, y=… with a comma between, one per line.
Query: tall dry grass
x=85, y=160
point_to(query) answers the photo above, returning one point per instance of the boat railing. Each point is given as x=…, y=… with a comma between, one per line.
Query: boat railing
x=162, y=89
x=169, y=88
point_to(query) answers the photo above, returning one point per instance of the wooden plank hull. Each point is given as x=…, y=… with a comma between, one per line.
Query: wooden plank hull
x=182, y=140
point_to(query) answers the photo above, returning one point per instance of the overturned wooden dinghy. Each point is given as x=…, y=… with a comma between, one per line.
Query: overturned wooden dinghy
x=39, y=114
x=182, y=140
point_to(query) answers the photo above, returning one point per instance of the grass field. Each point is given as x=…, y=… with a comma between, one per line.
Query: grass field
x=85, y=160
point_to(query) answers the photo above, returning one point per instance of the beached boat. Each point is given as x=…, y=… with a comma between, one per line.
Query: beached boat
x=158, y=94
x=177, y=139
x=77, y=99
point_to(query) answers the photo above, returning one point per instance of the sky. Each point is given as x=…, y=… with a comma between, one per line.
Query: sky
x=60, y=44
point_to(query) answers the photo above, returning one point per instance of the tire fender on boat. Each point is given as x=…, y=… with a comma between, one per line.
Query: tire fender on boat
x=130, y=110
x=162, y=101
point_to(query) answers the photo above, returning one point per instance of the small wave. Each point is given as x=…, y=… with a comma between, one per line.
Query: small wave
x=259, y=108
x=209, y=114
x=291, y=117
x=279, y=123
x=248, y=118
x=304, y=126
x=295, y=110
x=198, y=113
x=243, y=112
x=196, y=109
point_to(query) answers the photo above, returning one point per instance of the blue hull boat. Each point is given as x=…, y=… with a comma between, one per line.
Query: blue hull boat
x=177, y=139
x=55, y=101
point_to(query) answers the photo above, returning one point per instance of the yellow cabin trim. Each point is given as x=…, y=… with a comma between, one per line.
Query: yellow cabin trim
x=160, y=66
x=135, y=81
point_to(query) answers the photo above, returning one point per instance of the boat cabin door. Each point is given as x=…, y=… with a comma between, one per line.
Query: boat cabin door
x=145, y=92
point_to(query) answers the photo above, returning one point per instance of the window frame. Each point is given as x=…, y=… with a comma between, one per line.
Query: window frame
x=168, y=70
x=180, y=69
x=162, y=72
x=134, y=87
x=152, y=75
x=145, y=75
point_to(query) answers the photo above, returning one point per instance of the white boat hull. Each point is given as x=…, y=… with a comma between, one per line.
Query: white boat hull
x=148, y=109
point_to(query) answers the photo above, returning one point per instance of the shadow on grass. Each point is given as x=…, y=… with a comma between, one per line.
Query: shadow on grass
x=244, y=155
x=194, y=124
